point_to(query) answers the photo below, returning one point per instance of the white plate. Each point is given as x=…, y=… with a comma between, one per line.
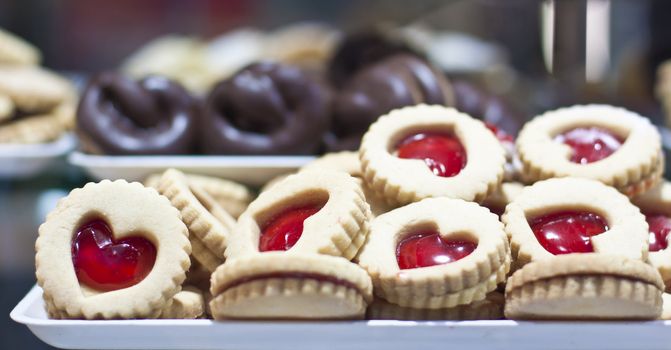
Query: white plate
x=369, y=335
x=250, y=170
x=18, y=161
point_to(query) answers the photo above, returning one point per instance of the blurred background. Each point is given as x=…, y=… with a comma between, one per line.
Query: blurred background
x=536, y=54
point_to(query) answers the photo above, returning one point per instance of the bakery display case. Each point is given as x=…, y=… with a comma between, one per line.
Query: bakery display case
x=289, y=174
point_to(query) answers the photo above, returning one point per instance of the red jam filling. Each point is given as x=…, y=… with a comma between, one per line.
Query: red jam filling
x=568, y=231
x=660, y=226
x=442, y=153
x=106, y=264
x=283, y=231
x=429, y=249
x=590, y=144
x=503, y=136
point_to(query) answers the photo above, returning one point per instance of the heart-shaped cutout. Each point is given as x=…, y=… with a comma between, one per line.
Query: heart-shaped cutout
x=567, y=231
x=283, y=230
x=429, y=248
x=590, y=144
x=106, y=264
x=442, y=153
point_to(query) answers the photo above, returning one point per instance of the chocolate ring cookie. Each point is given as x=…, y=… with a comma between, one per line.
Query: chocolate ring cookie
x=155, y=115
x=266, y=108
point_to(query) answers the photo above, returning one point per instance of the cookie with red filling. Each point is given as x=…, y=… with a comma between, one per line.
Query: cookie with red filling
x=98, y=257
x=615, y=146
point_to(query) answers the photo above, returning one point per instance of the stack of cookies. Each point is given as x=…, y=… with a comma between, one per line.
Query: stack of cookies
x=438, y=216
x=36, y=105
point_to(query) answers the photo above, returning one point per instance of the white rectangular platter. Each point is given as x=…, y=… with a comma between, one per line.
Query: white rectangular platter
x=369, y=335
x=249, y=170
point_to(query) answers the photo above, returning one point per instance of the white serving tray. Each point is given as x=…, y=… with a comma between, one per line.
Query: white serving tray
x=20, y=161
x=249, y=170
x=350, y=335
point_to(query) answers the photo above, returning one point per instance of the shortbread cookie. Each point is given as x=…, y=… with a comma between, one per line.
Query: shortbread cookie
x=34, y=129
x=98, y=257
x=309, y=212
x=615, y=146
x=490, y=308
x=209, y=225
x=348, y=161
x=497, y=201
x=424, y=151
x=6, y=108
x=666, y=307
x=305, y=44
x=198, y=276
x=585, y=286
x=16, y=51
x=274, y=181
x=187, y=304
x=436, y=253
x=276, y=285
x=655, y=204
x=32, y=89
x=573, y=215
x=231, y=196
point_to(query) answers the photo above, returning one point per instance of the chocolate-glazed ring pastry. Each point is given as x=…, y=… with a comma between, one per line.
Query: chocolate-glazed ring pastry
x=398, y=81
x=486, y=107
x=118, y=115
x=266, y=108
x=362, y=49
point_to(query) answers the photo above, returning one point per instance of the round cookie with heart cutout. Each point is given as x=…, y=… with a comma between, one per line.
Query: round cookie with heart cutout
x=321, y=212
x=655, y=204
x=573, y=215
x=424, y=151
x=613, y=145
x=100, y=258
x=437, y=253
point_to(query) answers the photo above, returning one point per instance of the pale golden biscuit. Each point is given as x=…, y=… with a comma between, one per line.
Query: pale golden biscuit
x=186, y=304
x=306, y=44
x=497, y=201
x=635, y=160
x=276, y=285
x=657, y=201
x=115, y=202
x=490, y=308
x=666, y=307
x=459, y=282
x=14, y=50
x=6, y=108
x=346, y=161
x=663, y=88
x=231, y=196
x=627, y=232
x=402, y=181
x=339, y=228
x=274, y=181
x=33, y=90
x=209, y=225
x=585, y=286
x=35, y=129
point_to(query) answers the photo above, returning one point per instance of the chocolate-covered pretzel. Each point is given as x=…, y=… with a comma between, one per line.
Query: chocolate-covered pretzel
x=266, y=108
x=118, y=115
x=398, y=81
x=490, y=108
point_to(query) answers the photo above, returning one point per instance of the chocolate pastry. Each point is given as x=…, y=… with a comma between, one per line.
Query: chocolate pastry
x=154, y=115
x=362, y=49
x=487, y=107
x=266, y=108
x=397, y=81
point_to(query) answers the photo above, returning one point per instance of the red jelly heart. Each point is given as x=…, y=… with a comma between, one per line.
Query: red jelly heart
x=503, y=136
x=660, y=226
x=429, y=249
x=283, y=231
x=442, y=153
x=106, y=264
x=568, y=231
x=590, y=144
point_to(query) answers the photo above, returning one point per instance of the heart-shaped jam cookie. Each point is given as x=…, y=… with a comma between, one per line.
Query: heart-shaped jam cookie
x=436, y=253
x=612, y=145
x=309, y=212
x=573, y=215
x=98, y=257
x=423, y=151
